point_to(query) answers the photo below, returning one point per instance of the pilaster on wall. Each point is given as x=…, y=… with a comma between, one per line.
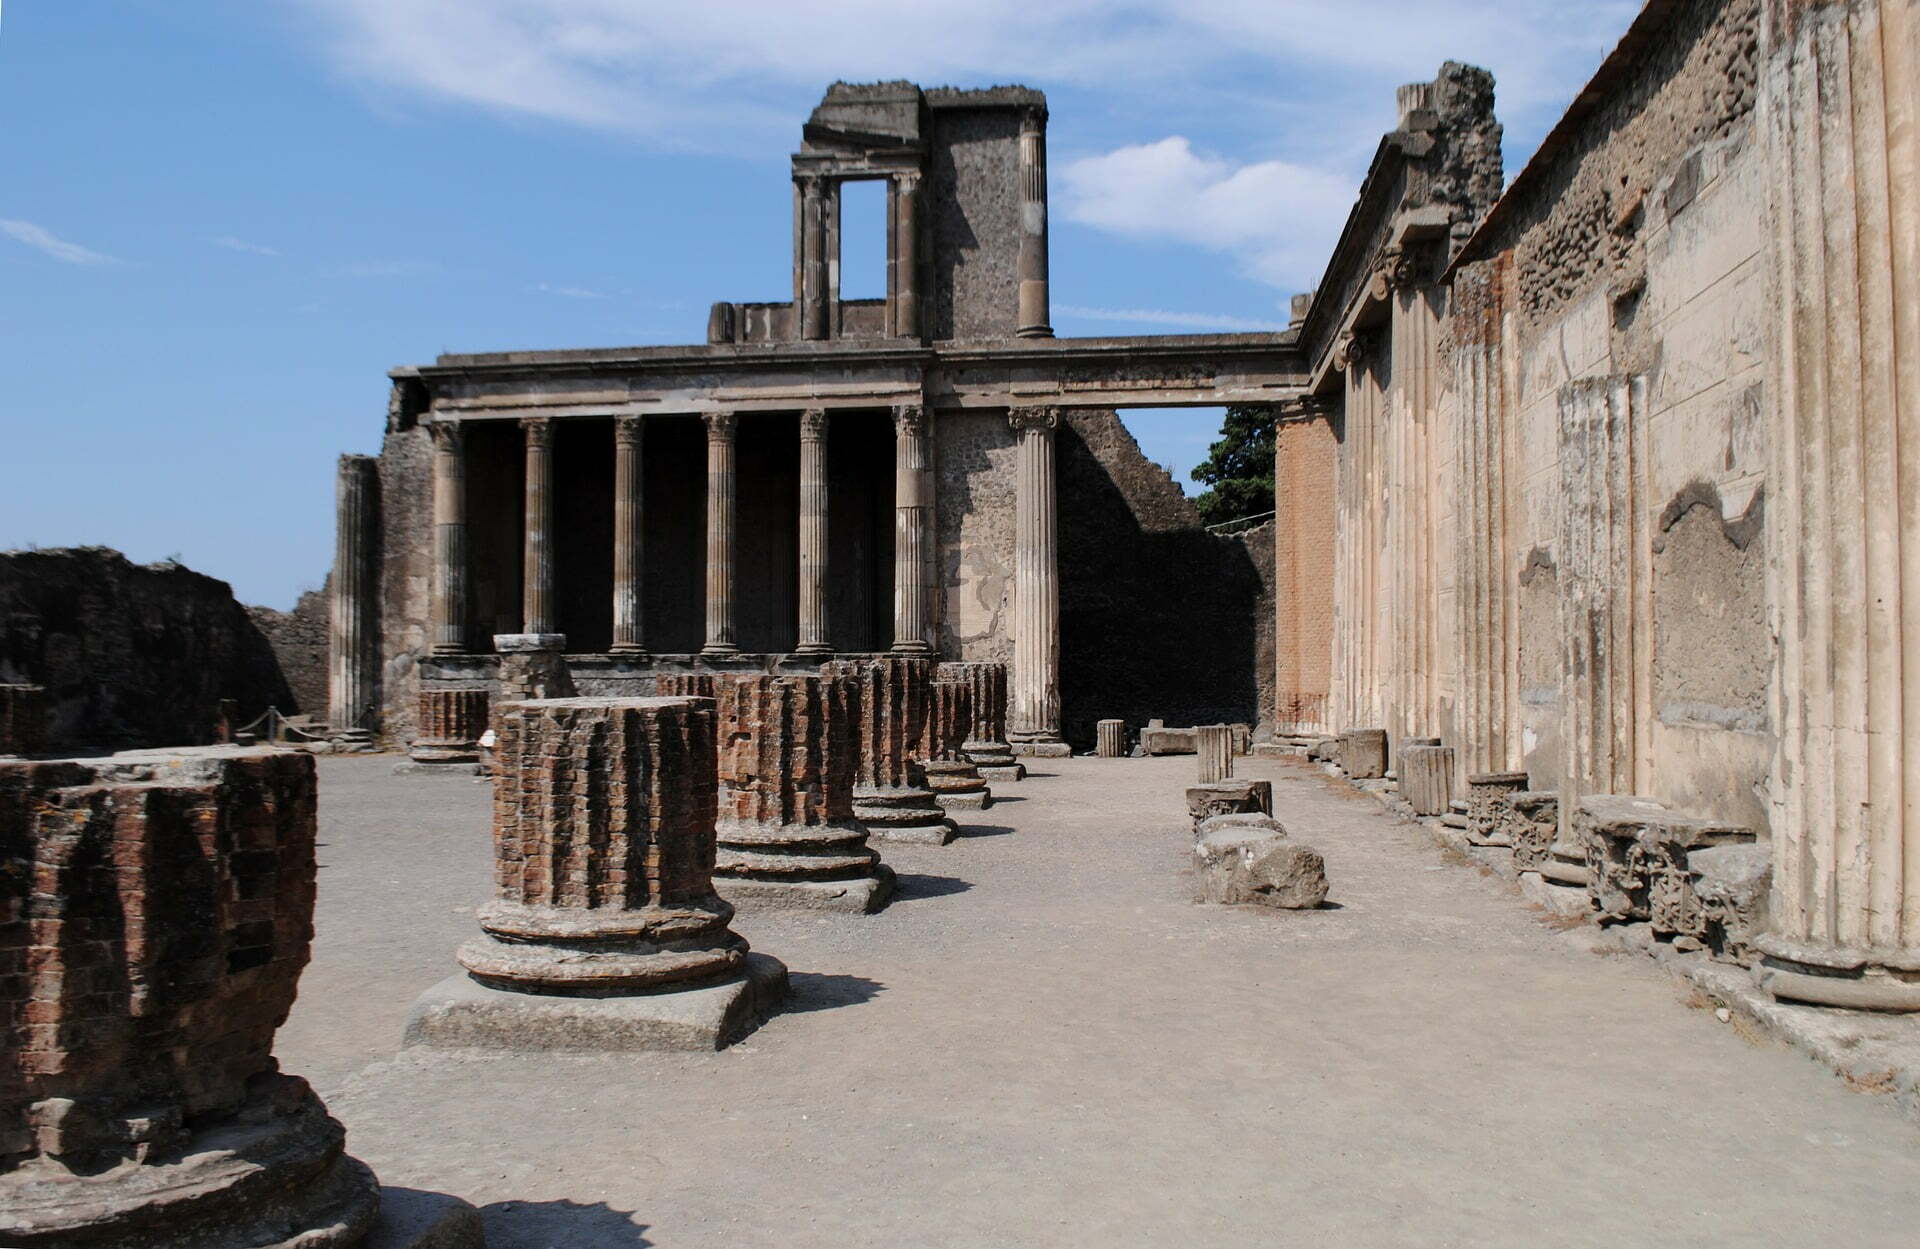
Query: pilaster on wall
x=1606, y=609
x=1841, y=122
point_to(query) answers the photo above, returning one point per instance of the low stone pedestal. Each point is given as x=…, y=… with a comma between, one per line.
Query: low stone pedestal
x=1213, y=746
x=1157, y=739
x=986, y=745
x=1239, y=864
x=604, y=850
x=1229, y=797
x=1484, y=793
x=1110, y=739
x=1425, y=771
x=1363, y=753
x=25, y=717
x=786, y=831
x=533, y=665
x=154, y=921
x=890, y=701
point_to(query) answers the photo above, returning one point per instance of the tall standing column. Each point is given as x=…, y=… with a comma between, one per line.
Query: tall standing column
x=906, y=254
x=350, y=676
x=721, y=639
x=912, y=530
x=1035, y=314
x=536, y=590
x=1841, y=129
x=1035, y=727
x=629, y=627
x=813, y=259
x=449, y=537
x=813, y=534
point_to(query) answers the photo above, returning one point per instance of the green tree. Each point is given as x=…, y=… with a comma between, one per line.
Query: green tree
x=1238, y=470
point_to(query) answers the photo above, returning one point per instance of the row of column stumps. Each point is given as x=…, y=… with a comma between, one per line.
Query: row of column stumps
x=1035, y=695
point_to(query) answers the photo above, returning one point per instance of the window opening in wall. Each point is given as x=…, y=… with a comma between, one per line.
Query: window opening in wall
x=863, y=240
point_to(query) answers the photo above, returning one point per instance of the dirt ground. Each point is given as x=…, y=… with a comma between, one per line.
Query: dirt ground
x=1044, y=1042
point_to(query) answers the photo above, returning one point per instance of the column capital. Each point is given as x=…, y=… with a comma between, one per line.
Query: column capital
x=907, y=180
x=721, y=426
x=813, y=425
x=448, y=435
x=539, y=430
x=1351, y=351
x=1044, y=418
x=910, y=419
x=627, y=430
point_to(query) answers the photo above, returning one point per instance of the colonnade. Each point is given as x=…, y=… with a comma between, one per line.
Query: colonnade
x=1035, y=694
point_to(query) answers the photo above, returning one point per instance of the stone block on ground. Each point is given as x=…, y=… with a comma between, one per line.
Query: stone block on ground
x=1160, y=740
x=1259, y=866
x=1607, y=828
x=1324, y=750
x=1569, y=900
x=1732, y=883
x=1110, y=738
x=1529, y=820
x=1363, y=753
x=411, y=1218
x=1229, y=797
x=1484, y=793
x=1252, y=820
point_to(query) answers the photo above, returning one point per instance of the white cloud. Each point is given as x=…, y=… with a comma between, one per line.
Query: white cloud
x=1281, y=219
x=241, y=245
x=42, y=240
x=1158, y=316
x=385, y=268
x=570, y=292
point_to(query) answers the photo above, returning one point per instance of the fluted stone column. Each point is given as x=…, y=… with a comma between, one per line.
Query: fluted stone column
x=1213, y=751
x=913, y=530
x=721, y=638
x=449, y=537
x=629, y=529
x=1841, y=128
x=1035, y=724
x=906, y=254
x=604, y=925
x=812, y=308
x=352, y=658
x=813, y=534
x=1110, y=739
x=1035, y=314
x=536, y=602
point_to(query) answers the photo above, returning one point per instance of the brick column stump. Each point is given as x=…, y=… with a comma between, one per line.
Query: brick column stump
x=452, y=723
x=955, y=779
x=605, y=932
x=986, y=745
x=889, y=700
x=786, y=829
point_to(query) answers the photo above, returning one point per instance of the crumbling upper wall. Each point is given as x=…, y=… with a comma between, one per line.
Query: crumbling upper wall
x=299, y=642
x=131, y=655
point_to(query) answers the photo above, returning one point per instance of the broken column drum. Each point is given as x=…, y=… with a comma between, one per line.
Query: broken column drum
x=954, y=779
x=1213, y=746
x=603, y=831
x=986, y=743
x=1425, y=770
x=1110, y=738
x=451, y=725
x=786, y=829
x=151, y=942
x=890, y=700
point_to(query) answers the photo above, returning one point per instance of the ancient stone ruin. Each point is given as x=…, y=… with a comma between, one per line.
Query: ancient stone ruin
x=786, y=830
x=892, y=701
x=155, y=914
x=954, y=778
x=605, y=931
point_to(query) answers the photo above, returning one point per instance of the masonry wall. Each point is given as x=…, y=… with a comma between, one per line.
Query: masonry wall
x=1305, y=466
x=974, y=471
x=974, y=202
x=132, y=655
x=299, y=642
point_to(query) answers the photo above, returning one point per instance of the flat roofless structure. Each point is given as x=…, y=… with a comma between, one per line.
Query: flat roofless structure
x=824, y=476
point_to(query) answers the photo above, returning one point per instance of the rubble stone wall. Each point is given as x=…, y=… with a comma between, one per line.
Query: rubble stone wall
x=299, y=641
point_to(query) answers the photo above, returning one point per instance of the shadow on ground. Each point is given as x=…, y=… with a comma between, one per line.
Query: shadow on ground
x=561, y=1225
x=984, y=830
x=811, y=990
x=911, y=886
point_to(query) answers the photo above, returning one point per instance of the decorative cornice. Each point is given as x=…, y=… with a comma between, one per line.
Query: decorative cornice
x=449, y=436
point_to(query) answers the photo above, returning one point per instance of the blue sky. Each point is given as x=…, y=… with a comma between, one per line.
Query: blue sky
x=223, y=220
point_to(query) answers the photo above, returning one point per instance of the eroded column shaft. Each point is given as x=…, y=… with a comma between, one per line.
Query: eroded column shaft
x=1035, y=313
x=721, y=639
x=813, y=533
x=449, y=538
x=629, y=518
x=1035, y=696
x=351, y=687
x=536, y=602
x=913, y=530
